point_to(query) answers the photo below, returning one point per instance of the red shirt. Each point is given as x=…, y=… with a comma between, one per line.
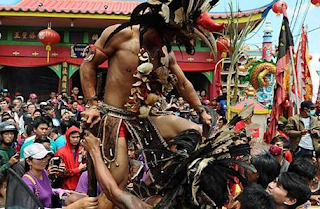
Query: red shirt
x=242, y=125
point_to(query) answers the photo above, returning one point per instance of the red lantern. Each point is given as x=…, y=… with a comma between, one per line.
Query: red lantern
x=279, y=6
x=223, y=44
x=48, y=37
x=319, y=59
x=310, y=57
x=315, y=2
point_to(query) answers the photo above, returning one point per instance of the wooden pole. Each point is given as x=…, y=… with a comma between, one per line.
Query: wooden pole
x=92, y=179
x=295, y=82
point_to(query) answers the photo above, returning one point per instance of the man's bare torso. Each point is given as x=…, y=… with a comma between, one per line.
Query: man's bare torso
x=123, y=64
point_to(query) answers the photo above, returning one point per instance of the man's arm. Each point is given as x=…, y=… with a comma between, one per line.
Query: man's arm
x=98, y=54
x=291, y=129
x=109, y=186
x=186, y=89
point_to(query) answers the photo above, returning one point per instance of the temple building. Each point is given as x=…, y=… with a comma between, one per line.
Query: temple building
x=27, y=65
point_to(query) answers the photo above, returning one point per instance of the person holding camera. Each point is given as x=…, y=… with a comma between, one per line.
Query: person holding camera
x=303, y=130
x=71, y=156
x=36, y=178
x=8, y=156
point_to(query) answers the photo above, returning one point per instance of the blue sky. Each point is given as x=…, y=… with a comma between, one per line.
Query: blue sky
x=312, y=21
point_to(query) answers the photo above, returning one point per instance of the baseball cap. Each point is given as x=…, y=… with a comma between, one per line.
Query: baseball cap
x=5, y=90
x=307, y=104
x=36, y=151
x=33, y=96
x=80, y=97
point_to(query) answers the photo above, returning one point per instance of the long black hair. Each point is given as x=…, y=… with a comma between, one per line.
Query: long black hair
x=267, y=167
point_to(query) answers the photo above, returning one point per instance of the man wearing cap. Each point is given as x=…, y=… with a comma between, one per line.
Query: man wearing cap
x=33, y=98
x=5, y=94
x=80, y=107
x=303, y=131
x=8, y=134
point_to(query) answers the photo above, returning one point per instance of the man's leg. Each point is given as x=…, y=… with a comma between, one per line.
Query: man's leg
x=170, y=126
x=119, y=168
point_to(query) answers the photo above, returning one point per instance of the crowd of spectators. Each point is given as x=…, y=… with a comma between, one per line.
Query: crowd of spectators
x=40, y=141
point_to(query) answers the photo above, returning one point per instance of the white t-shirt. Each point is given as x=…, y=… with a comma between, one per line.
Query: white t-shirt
x=306, y=140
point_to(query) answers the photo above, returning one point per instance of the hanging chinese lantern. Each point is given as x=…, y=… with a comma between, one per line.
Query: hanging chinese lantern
x=48, y=37
x=279, y=6
x=223, y=44
x=315, y=2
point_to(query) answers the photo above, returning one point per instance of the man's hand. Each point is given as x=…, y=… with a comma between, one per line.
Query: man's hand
x=82, y=166
x=206, y=118
x=90, y=142
x=91, y=116
x=303, y=132
x=85, y=203
x=14, y=159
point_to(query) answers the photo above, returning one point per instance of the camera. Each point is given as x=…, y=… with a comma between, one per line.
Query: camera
x=56, y=161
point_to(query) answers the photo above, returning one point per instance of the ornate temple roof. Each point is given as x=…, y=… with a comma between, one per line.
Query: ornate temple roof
x=59, y=8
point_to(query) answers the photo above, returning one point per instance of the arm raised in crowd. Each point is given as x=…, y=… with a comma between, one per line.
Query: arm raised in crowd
x=120, y=198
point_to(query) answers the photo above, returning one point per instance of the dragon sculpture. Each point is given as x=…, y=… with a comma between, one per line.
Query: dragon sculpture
x=261, y=77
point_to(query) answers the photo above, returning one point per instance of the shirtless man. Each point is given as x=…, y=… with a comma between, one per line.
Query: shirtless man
x=122, y=53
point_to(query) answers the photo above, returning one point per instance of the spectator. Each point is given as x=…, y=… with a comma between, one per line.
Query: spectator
x=214, y=104
x=37, y=158
x=268, y=169
x=53, y=95
x=33, y=99
x=277, y=150
x=242, y=125
x=180, y=103
x=70, y=156
x=50, y=113
x=222, y=101
x=80, y=107
x=74, y=110
x=3, y=190
x=253, y=197
x=36, y=178
x=5, y=95
x=40, y=128
x=75, y=93
x=17, y=102
x=203, y=95
x=37, y=113
x=9, y=157
x=27, y=117
x=65, y=125
x=5, y=109
x=303, y=130
x=54, y=134
x=220, y=123
x=194, y=117
x=289, y=190
x=65, y=115
x=241, y=138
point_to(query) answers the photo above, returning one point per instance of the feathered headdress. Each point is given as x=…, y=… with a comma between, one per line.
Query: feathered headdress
x=203, y=176
x=187, y=17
